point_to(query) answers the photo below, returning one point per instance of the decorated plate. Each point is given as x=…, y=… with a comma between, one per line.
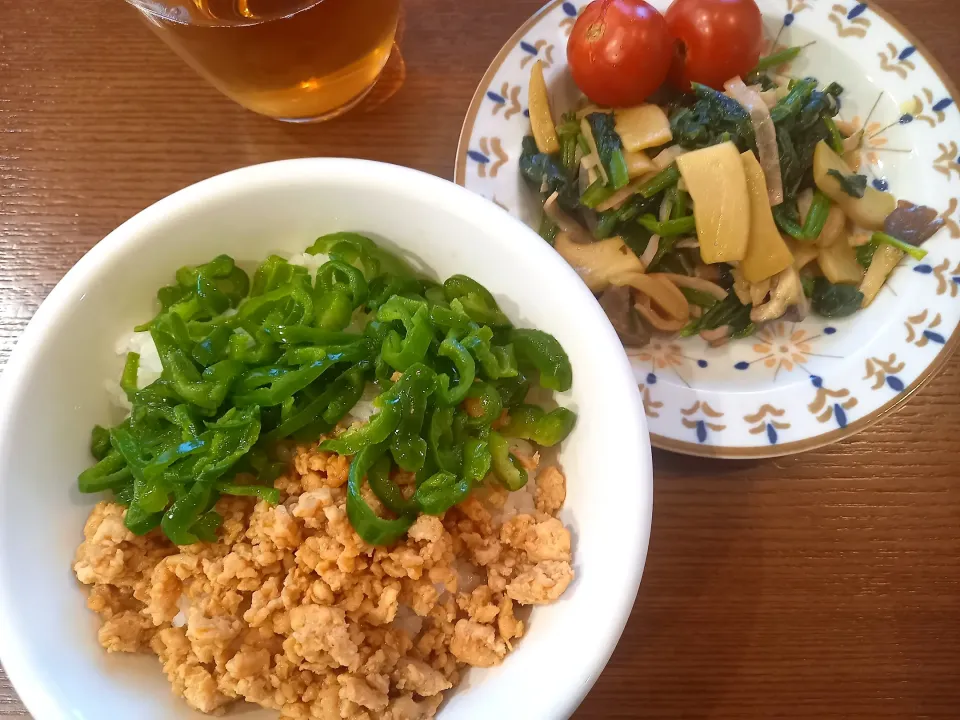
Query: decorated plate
x=792, y=386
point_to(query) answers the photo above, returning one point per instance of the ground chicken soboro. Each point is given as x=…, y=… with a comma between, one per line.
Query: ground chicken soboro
x=291, y=610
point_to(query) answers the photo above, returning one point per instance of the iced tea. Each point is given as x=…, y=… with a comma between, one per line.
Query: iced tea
x=298, y=60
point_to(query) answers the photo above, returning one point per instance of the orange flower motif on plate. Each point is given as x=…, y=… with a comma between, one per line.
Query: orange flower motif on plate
x=662, y=355
x=778, y=346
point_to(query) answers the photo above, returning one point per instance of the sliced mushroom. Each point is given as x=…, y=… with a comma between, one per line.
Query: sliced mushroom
x=787, y=292
x=913, y=224
x=617, y=303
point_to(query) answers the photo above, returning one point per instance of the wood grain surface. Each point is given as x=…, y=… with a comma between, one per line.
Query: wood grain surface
x=819, y=586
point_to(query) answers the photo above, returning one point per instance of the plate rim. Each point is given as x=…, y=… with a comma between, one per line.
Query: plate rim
x=726, y=452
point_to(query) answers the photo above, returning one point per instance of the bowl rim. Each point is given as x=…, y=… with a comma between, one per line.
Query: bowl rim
x=15, y=647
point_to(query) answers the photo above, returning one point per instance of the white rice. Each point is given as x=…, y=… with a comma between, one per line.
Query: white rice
x=311, y=262
x=364, y=409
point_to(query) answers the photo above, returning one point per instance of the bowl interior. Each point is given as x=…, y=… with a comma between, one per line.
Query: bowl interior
x=54, y=393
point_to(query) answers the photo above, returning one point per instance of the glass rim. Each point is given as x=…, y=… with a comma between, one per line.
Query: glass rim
x=179, y=11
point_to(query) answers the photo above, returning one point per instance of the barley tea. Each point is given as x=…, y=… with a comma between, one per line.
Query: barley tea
x=297, y=60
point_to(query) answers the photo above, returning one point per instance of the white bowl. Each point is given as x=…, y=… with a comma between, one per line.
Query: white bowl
x=54, y=392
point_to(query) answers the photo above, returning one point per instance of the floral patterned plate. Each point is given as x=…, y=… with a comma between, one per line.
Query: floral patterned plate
x=793, y=386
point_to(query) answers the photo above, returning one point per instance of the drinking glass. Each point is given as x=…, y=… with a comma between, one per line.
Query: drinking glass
x=293, y=60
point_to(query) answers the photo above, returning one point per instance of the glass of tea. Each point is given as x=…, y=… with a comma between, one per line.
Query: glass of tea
x=293, y=60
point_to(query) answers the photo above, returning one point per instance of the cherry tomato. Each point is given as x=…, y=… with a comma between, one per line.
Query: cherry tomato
x=715, y=40
x=619, y=52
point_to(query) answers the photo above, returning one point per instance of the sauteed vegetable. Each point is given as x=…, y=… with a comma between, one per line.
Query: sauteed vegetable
x=248, y=363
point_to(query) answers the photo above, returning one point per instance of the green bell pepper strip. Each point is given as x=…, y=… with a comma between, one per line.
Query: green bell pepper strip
x=513, y=390
x=109, y=473
x=466, y=370
x=387, y=491
x=542, y=350
x=384, y=287
x=294, y=300
x=445, y=453
x=452, y=318
x=344, y=393
x=252, y=350
x=376, y=431
x=506, y=468
x=546, y=429
x=178, y=521
x=206, y=527
x=230, y=438
x=304, y=355
x=99, y=442
x=168, y=456
x=440, y=492
x=476, y=459
x=128, y=379
x=408, y=448
x=402, y=309
x=260, y=377
x=435, y=295
x=403, y=352
x=343, y=277
x=262, y=492
x=300, y=334
x=496, y=362
x=351, y=248
x=333, y=310
x=206, y=391
x=293, y=382
x=148, y=493
x=373, y=529
x=274, y=273
x=213, y=347
x=477, y=301
x=140, y=522
x=483, y=404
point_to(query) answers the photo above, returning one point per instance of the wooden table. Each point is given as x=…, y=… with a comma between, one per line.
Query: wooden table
x=820, y=586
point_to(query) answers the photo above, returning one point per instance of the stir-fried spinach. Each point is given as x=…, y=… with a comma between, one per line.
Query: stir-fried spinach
x=713, y=118
x=834, y=301
x=852, y=185
x=546, y=172
x=610, y=148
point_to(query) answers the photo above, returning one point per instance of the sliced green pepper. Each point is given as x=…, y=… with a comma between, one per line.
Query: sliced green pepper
x=444, y=452
x=465, y=368
x=386, y=490
x=506, y=467
x=477, y=301
x=353, y=248
x=441, y=492
x=373, y=529
x=185, y=512
x=414, y=389
x=495, y=361
x=546, y=429
x=542, y=350
x=476, y=459
x=484, y=404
